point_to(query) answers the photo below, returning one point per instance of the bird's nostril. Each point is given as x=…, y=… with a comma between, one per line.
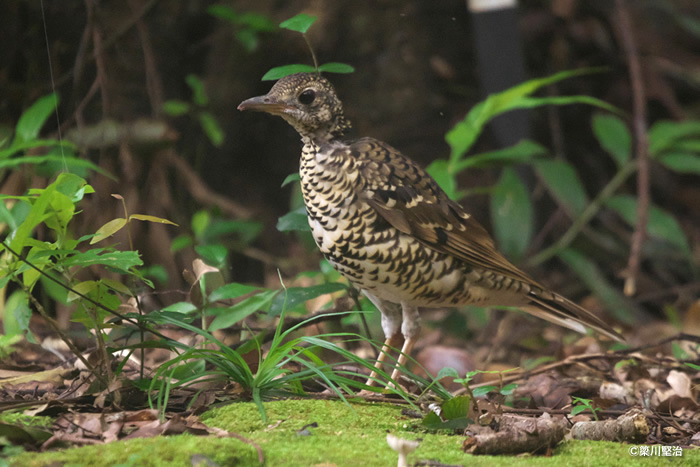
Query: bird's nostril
x=266, y=100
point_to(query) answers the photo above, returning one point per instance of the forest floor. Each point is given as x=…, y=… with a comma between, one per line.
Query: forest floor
x=645, y=397
x=324, y=432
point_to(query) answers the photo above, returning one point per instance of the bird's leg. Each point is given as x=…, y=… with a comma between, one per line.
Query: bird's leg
x=391, y=324
x=410, y=328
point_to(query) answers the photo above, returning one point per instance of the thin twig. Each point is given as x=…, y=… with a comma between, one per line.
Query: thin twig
x=582, y=358
x=261, y=456
x=654, y=416
x=121, y=30
x=56, y=328
x=154, y=84
x=678, y=337
x=100, y=67
x=589, y=213
x=641, y=145
x=313, y=54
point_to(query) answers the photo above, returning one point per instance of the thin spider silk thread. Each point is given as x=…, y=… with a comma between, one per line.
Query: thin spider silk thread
x=53, y=88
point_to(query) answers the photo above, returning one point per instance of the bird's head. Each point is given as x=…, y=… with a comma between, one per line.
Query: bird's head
x=308, y=102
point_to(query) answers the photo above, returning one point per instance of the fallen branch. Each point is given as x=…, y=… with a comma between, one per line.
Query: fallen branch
x=201, y=192
x=517, y=435
x=631, y=427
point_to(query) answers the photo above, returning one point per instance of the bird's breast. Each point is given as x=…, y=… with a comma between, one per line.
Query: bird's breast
x=370, y=252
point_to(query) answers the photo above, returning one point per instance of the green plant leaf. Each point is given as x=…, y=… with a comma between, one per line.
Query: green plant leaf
x=181, y=307
x=257, y=22
x=455, y=413
x=55, y=291
x=483, y=390
x=34, y=217
x=286, y=70
x=226, y=317
x=117, y=286
x=59, y=213
x=523, y=152
x=200, y=221
x=211, y=128
x=681, y=162
x=180, y=242
x=232, y=290
x=294, y=177
x=83, y=288
x=594, y=278
x=294, y=220
x=335, y=67
x=457, y=407
x=73, y=186
x=109, y=229
x=529, y=102
x=36, y=160
x=299, y=23
x=223, y=12
x=247, y=230
x=214, y=255
x=147, y=218
x=665, y=135
x=298, y=295
x=661, y=224
x=192, y=368
x=123, y=260
x=614, y=136
x=31, y=121
x=17, y=313
x=687, y=145
x=248, y=38
x=447, y=372
x=562, y=181
x=679, y=353
x=439, y=169
x=462, y=136
x=175, y=107
x=199, y=94
x=512, y=214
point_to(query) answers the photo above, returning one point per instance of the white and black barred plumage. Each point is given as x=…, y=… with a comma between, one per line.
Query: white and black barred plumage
x=387, y=226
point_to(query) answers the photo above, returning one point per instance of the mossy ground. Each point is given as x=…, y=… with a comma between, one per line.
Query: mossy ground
x=344, y=437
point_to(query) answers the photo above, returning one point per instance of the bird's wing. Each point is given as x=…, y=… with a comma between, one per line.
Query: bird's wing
x=411, y=201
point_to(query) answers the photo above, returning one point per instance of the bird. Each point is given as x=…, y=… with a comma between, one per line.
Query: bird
x=385, y=224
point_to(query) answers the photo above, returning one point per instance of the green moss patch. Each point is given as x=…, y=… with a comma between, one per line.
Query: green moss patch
x=343, y=437
x=151, y=452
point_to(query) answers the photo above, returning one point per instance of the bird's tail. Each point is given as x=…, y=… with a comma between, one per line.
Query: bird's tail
x=559, y=310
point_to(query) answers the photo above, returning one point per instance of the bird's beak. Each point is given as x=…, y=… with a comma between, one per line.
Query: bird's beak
x=265, y=103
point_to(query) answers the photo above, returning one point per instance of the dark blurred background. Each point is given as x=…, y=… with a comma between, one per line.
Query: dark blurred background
x=418, y=72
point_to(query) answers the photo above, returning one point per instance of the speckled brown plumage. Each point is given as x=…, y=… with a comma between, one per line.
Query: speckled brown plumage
x=386, y=225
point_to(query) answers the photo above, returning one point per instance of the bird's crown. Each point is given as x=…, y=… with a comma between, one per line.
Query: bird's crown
x=308, y=102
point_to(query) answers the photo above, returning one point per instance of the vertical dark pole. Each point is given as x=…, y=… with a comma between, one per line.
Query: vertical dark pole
x=500, y=60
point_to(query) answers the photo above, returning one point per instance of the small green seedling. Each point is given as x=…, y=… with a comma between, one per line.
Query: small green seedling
x=301, y=23
x=580, y=404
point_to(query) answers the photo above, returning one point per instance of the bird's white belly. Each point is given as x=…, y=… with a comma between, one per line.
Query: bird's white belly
x=398, y=269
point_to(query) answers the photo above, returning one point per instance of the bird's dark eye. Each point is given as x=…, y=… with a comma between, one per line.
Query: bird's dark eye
x=307, y=97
